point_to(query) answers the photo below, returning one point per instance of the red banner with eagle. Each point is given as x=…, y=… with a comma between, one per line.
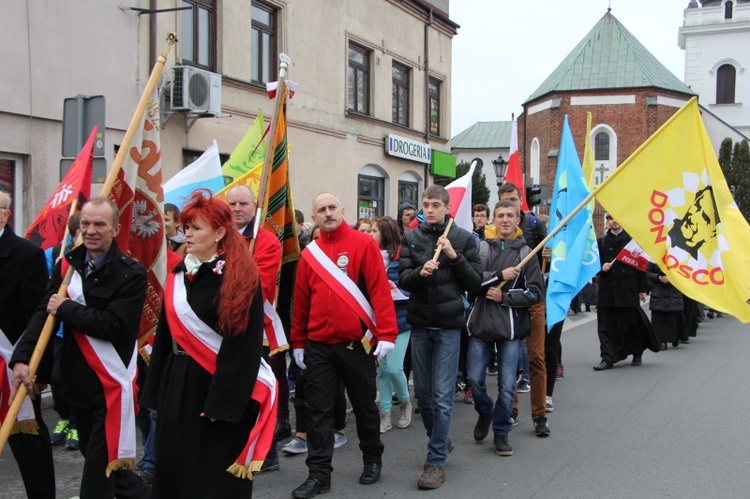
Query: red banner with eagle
x=139, y=195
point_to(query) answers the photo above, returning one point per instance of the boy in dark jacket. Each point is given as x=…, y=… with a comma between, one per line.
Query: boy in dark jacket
x=499, y=319
x=435, y=312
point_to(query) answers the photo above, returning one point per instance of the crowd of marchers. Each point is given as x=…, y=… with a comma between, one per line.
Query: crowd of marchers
x=367, y=309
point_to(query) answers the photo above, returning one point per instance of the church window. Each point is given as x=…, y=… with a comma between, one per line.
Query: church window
x=728, y=10
x=601, y=146
x=726, y=77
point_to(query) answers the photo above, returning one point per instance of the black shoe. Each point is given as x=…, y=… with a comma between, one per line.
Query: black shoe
x=603, y=365
x=482, y=428
x=636, y=362
x=311, y=488
x=147, y=475
x=502, y=447
x=283, y=430
x=370, y=474
x=540, y=427
x=686, y=342
x=270, y=465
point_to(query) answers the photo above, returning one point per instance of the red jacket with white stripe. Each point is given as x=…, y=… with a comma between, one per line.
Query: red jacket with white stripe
x=319, y=314
x=267, y=256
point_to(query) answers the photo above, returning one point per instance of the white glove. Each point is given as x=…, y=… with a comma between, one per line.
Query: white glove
x=383, y=349
x=299, y=357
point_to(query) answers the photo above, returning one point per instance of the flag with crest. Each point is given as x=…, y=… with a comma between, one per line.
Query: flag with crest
x=138, y=193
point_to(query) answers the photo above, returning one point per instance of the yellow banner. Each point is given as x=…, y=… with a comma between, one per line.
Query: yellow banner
x=672, y=197
x=249, y=152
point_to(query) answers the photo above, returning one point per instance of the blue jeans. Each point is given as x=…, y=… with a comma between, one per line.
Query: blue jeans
x=434, y=354
x=391, y=374
x=507, y=364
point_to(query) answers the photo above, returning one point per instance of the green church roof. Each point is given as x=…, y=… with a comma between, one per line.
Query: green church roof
x=609, y=57
x=484, y=135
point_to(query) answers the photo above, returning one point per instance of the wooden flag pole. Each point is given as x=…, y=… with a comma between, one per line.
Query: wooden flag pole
x=135, y=121
x=49, y=324
x=440, y=246
x=270, y=149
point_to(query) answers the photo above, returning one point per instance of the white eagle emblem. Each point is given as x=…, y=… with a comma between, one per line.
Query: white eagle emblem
x=145, y=223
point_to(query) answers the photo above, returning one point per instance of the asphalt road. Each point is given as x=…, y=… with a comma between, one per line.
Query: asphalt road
x=674, y=427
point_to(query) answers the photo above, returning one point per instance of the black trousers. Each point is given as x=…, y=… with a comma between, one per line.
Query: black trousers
x=33, y=453
x=122, y=484
x=552, y=351
x=61, y=407
x=327, y=365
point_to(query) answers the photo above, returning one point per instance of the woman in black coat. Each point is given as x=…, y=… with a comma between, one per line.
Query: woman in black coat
x=666, y=307
x=212, y=310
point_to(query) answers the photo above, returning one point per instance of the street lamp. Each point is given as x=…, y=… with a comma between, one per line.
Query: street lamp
x=501, y=167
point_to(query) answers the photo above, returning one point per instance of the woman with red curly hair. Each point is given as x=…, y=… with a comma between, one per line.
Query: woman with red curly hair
x=205, y=361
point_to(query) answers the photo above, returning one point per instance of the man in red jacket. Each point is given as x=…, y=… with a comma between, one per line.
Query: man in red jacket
x=341, y=295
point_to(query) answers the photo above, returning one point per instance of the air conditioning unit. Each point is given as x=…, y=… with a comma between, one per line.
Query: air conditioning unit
x=195, y=90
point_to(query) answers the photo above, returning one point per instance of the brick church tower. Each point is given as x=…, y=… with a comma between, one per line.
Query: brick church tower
x=629, y=93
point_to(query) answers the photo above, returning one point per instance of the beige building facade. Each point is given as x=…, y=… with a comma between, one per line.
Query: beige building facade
x=369, y=73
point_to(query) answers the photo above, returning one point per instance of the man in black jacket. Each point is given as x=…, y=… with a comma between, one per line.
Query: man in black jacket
x=436, y=314
x=101, y=320
x=24, y=276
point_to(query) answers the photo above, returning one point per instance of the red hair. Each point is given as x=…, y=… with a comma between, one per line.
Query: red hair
x=240, y=276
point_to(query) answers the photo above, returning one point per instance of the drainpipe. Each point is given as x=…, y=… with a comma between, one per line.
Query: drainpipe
x=152, y=34
x=427, y=91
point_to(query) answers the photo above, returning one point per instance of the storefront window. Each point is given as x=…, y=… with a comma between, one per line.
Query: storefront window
x=370, y=200
x=407, y=192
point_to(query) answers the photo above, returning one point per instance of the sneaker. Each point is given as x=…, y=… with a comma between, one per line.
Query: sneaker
x=339, y=440
x=514, y=419
x=502, y=447
x=540, y=427
x=460, y=387
x=60, y=433
x=432, y=477
x=297, y=445
x=468, y=397
x=492, y=370
x=385, y=422
x=524, y=386
x=450, y=446
x=72, y=442
x=404, y=419
x=550, y=405
x=312, y=487
x=560, y=372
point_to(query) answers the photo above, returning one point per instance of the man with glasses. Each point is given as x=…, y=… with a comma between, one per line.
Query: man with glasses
x=480, y=218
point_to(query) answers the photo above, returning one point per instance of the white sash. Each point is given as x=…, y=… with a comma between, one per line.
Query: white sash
x=106, y=362
x=26, y=413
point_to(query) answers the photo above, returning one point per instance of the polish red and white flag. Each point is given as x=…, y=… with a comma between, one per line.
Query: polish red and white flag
x=460, y=193
x=633, y=255
x=514, y=175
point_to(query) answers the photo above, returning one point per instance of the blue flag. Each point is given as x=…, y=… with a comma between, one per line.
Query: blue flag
x=575, y=254
x=204, y=172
